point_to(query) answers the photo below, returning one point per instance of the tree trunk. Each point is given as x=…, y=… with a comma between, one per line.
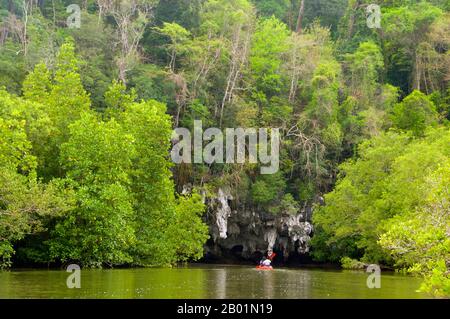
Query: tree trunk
x=416, y=74
x=300, y=16
x=25, y=10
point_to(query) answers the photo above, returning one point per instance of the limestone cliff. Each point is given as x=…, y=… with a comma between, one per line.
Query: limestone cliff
x=249, y=233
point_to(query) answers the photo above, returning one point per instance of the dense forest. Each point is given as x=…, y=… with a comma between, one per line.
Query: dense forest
x=87, y=113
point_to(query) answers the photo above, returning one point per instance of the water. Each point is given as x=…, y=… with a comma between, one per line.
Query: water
x=206, y=281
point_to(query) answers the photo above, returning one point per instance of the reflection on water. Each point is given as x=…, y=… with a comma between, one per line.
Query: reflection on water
x=201, y=281
x=221, y=291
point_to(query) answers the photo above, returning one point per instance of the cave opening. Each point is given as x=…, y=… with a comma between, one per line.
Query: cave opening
x=295, y=258
x=237, y=250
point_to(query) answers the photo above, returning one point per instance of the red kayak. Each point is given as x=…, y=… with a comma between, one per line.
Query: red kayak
x=264, y=267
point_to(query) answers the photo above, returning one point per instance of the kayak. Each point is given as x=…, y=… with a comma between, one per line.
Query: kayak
x=264, y=267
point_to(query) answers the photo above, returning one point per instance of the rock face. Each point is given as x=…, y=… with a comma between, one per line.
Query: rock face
x=248, y=233
x=223, y=212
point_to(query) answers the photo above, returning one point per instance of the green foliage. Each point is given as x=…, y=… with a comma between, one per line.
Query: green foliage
x=97, y=159
x=117, y=98
x=409, y=19
x=405, y=26
x=320, y=121
x=93, y=46
x=268, y=8
x=175, y=32
x=415, y=113
x=267, y=188
x=365, y=65
x=115, y=204
x=37, y=84
x=12, y=67
x=220, y=16
x=14, y=147
x=384, y=182
x=419, y=239
x=178, y=37
x=189, y=232
x=25, y=203
x=125, y=195
x=269, y=43
x=289, y=205
x=269, y=193
x=348, y=263
x=63, y=99
x=442, y=102
x=185, y=13
x=377, y=195
x=152, y=186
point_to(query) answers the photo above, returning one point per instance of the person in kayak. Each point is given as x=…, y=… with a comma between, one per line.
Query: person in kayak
x=267, y=261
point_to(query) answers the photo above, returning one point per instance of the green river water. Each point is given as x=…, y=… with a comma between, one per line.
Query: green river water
x=206, y=281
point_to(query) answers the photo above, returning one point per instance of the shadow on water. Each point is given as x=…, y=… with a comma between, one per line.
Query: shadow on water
x=206, y=281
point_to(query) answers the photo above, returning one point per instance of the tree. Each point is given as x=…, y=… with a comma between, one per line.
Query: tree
x=419, y=239
x=364, y=113
x=152, y=186
x=26, y=204
x=415, y=113
x=94, y=48
x=406, y=27
x=131, y=18
x=63, y=99
x=97, y=157
x=301, y=11
x=268, y=45
x=386, y=182
x=159, y=218
x=318, y=132
x=238, y=54
x=365, y=65
x=178, y=37
x=115, y=202
x=433, y=62
x=188, y=232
